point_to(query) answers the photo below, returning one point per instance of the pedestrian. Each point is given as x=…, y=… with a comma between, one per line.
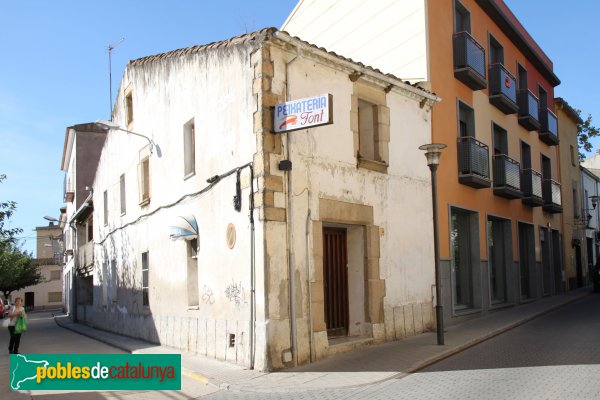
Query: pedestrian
x=15, y=338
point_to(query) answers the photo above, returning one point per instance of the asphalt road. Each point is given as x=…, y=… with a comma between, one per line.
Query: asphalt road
x=45, y=337
x=556, y=356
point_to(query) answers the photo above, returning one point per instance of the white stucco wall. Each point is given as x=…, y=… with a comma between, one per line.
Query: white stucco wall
x=367, y=32
x=215, y=89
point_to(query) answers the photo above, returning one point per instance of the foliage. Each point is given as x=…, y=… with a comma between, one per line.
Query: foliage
x=585, y=131
x=7, y=235
x=17, y=270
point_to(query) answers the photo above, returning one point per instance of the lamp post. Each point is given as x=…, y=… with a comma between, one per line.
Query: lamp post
x=110, y=125
x=433, y=151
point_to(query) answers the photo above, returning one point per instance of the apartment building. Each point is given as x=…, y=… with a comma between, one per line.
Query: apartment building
x=500, y=200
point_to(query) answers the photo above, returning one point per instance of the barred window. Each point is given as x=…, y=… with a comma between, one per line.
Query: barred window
x=54, y=297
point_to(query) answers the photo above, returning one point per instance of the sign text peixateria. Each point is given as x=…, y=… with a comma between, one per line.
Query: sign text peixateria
x=303, y=113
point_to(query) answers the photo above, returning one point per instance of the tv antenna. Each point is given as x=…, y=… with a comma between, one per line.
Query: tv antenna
x=110, y=49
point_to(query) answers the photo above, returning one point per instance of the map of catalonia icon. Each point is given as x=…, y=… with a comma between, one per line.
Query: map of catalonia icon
x=23, y=368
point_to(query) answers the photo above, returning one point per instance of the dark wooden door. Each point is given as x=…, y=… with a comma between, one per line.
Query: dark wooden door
x=29, y=301
x=335, y=272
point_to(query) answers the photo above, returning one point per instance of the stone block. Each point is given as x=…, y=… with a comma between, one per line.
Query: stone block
x=383, y=133
x=193, y=335
x=321, y=344
x=272, y=214
x=373, y=268
x=264, y=199
x=379, y=331
x=427, y=312
x=260, y=84
x=399, y=322
x=383, y=115
x=201, y=346
x=210, y=339
x=388, y=319
x=271, y=143
x=418, y=318
x=409, y=322
x=317, y=240
x=271, y=182
x=317, y=293
x=343, y=212
x=279, y=200
x=270, y=99
x=376, y=292
x=318, y=317
x=372, y=242
x=261, y=164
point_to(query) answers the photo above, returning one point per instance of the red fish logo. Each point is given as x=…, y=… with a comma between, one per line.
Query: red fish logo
x=289, y=120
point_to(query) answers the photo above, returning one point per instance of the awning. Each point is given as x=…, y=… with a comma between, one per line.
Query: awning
x=184, y=227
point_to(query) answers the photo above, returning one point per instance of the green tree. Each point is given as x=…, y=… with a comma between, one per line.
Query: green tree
x=585, y=131
x=17, y=271
x=7, y=208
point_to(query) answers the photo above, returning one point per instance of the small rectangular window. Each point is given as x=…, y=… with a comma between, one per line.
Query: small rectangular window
x=105, y=208
x=496, y=51
x=122, y=187
x=575, y=201
x=367, y=128
x=129, y=107
x=144, y=180
x=145, y=279
x=54, y=297
x=466, y=120
x=189, y=149
x=462, y=18
x=54, y=275
x=573, y=162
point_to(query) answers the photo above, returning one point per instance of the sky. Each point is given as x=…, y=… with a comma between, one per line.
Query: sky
x=54, y=70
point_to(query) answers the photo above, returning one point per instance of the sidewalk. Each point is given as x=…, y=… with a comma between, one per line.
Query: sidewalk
x=367, y=366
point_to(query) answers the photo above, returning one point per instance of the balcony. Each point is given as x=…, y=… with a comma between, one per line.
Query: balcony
x=507, y=177
x=528, y=110
x=473, y=163
x=68, y=189
x=549, y=128
x=469, y=61
x=503, y=89
x=531, y=183
x=552, y=200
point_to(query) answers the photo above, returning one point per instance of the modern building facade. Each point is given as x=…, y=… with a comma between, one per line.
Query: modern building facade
x=48, y=293
x=266, y=234
x=499, y=192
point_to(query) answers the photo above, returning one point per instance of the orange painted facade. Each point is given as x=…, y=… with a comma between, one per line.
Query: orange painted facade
x=452, y=193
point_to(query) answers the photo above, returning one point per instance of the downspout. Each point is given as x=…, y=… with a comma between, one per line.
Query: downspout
x=289, y=236
x=252, y=269
x=73, y=224
x=308, y=269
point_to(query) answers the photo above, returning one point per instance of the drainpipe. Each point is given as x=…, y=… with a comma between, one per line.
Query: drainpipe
x=308, y=269
x=289, y=238
x=252, y=269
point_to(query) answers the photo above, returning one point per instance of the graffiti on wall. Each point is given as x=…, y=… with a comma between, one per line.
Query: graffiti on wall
x=207, y=295
x=235, y=293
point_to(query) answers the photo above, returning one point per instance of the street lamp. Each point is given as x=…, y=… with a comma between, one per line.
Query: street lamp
x=433, y=152
x=110, y=125
x=586, y=214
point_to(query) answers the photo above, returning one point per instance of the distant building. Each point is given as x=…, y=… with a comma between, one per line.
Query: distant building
x=47, y=294
x=576, y=210
x=216, y=233
x=82, y=146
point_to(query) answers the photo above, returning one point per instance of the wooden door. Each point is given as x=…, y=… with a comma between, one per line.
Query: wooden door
x=335, y=280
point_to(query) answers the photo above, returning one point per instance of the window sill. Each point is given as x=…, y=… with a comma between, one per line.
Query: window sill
x=192, y=308
x=378, y=166
x=189, y=175
x=145, y=202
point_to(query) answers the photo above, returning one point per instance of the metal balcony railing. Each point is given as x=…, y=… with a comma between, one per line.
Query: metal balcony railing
x=528, y=110
x=549, y=127
x=469, y=61
x=507, y=175
x=531, y=186
x=552, y=197
x=473, y=162
x=503, y=89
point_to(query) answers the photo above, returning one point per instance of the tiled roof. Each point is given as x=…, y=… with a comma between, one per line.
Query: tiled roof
x=256, y=37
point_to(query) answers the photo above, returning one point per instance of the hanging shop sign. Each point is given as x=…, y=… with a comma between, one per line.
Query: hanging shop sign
x=303, y=113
